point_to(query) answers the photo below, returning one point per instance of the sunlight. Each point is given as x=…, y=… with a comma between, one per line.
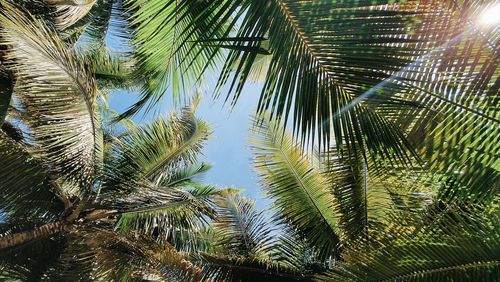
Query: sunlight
x=490, y=16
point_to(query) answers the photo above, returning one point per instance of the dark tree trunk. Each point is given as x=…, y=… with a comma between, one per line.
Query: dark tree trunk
x=36, y=233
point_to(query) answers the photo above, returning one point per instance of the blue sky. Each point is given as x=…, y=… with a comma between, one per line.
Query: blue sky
x=228, y=150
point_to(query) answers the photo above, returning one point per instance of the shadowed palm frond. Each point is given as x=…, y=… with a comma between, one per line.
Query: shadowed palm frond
x=462, y=246
x=5, y=92
x=30, y=190
x=92, y=254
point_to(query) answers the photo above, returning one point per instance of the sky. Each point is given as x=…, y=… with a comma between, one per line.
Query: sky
x=228, y=148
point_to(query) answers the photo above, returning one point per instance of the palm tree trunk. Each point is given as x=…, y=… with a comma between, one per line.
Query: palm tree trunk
x=36, y=233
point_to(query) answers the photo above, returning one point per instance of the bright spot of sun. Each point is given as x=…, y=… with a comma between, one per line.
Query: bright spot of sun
x=490, y=16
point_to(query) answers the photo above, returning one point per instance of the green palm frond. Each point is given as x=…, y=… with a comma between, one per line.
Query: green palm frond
x=299, y=190
x=168, y=214
x=184, y=176
x=155, y=150
x=367, y=195
x=111, y=70
x=166, y=39
x=456, y=125
x=58, y=94
x=28, y=191
x=239, y=229
x=244, y=244
x=460, y=247
x=107, y=17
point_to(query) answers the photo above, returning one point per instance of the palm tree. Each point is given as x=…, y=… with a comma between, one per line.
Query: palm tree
x=342, y=72
x=359, y=224
x=395, y=99
x=82, y=197
x=377, y=79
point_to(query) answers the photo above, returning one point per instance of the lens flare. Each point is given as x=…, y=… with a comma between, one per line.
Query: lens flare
x=490, y=16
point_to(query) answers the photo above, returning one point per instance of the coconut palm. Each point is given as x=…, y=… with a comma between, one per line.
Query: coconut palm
x=82, y=197
x=396, y=99
x=341, y=72
x=359, y=224
x=377, y=79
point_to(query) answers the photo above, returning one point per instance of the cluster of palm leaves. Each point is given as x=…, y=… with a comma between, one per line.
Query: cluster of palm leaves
x=375, y=140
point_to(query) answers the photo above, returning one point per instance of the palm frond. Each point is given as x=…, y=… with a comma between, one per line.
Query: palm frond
x=107, y=17
x=166, y=37
x=155, y=149
x=227, y=268
x=31, y=261
x=68, y=12
x=139, y=257
x=58, y=93
x=461, y=246
x=240, y=229
x=177, y=218
x=28, y=190
x=5, y=92
x=456, y=85
x=297, y=187
x=111, y=70
x=184, y=176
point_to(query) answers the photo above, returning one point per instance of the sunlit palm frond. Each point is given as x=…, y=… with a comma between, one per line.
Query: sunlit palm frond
x=166, y=40
x=300, y=192
x=239, y=228
x=168, y=214
x=68, y=12
x=153, y=150
x=111, y=70
x=58, y=94
x=456, y=84
x=244, y=244
x=184, y=176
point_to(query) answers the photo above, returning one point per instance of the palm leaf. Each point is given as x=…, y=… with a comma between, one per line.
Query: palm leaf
x=5, y=93
x=29, y=190
x=165, y=39
x=58, y=94
x=177, y=218
x=111, y=70
x=461, y=246
x=297, y=187
x=155, y=150
x=68, y=12
x=240, y=229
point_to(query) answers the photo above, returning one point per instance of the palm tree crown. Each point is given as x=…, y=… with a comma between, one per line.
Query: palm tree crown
x=375, y=140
